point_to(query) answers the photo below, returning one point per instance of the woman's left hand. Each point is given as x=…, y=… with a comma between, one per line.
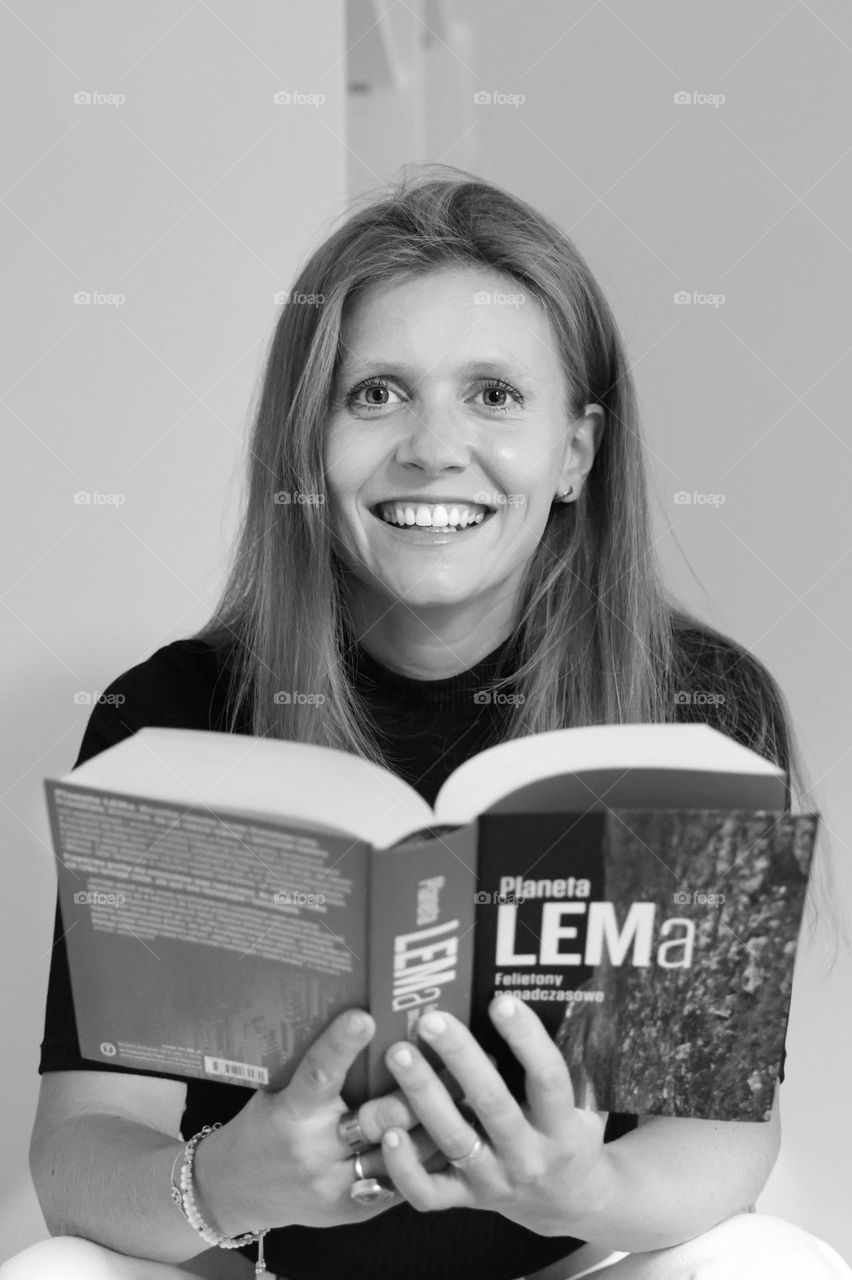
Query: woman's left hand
x=542, y=1164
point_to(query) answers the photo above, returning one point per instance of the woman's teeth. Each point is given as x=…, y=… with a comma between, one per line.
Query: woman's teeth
x=437, y=517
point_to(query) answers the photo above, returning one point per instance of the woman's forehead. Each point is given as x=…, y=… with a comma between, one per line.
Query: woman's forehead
x=407, y=328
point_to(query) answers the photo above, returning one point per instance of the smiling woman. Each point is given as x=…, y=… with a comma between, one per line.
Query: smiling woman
x=462, y=353
x=446, y=495
x=445, y=438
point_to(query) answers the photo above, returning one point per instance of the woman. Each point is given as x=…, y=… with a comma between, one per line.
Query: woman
x=455, y=365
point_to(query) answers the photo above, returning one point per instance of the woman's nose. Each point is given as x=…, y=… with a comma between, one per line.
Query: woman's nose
x=434, y=440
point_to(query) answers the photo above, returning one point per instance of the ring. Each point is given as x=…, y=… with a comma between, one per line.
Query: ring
x=464, y=1161
x=351, y=1134
x=369, y=1190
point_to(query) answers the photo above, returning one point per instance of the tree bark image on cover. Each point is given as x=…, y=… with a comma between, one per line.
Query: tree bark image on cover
x=660, y=1035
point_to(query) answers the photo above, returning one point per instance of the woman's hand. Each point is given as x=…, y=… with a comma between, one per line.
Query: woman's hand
x=281, y=1162
x=540, y=1164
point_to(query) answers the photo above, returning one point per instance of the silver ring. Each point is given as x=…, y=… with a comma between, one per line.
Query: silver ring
x=351, y=1134
x=464, y=1161
x=369, y=1190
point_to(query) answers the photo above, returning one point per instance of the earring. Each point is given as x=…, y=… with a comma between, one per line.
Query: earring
x=561, y=497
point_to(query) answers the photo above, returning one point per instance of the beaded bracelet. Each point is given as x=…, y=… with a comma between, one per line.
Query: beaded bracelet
x=184, y=1198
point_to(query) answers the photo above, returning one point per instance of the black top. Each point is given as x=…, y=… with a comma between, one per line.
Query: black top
x=429, y=728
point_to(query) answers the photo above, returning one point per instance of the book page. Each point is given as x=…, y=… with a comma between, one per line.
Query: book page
x=270, y=777
x=606, y=766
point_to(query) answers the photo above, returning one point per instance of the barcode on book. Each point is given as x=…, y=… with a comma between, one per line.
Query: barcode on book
x=236, y=1070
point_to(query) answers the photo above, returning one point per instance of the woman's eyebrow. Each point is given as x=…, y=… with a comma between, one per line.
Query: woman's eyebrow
x=495, y=365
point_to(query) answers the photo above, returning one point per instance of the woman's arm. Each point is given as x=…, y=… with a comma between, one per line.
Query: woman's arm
x=672, y=1179
x=106, y=1178
x=105, y=1174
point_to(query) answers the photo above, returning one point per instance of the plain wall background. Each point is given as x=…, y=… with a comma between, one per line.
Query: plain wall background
x=197, y=198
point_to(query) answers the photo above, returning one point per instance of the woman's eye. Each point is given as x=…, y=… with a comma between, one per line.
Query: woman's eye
x=501, y=388
x=374, y=387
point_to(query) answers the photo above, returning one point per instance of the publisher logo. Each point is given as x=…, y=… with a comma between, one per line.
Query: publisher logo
x=87, y=298
x=487, y=499
x=481, y=897
x=93, y=898
x=684, y=98
x=685, y=298
x=295, y=497
x=700, y=899
x=297, y=98
x=684, y=499
x=484, y=98
x=287, y=898
x=698, y=698
x=93, y=498
x=87, y=697
x=289, y=696
x=497, y=697
x=284, y=297
x=107, y=1049
x=95, y=98
x=496, y=298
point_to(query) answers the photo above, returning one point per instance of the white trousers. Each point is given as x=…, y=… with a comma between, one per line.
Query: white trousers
x=749, y=1246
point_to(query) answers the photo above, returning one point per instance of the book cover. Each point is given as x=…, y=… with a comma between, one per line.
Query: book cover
x=206, y=944
x=657, y=946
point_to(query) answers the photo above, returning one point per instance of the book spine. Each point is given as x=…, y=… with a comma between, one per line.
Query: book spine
x=422, y=903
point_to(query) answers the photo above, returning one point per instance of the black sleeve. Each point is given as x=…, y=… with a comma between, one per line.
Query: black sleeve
x=108, y=724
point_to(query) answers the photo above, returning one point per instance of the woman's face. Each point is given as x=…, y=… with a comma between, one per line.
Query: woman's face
x=464, y=408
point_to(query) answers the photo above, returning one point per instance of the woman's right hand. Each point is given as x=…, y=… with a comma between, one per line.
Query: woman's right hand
x=280, y=1161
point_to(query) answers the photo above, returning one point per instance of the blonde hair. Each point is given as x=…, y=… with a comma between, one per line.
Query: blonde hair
x=599, y=639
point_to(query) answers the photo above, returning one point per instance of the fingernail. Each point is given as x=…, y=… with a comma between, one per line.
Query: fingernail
x=391, y=1138
x=505, y=1006
x=402, y=1057
x=358, y=1024
x=431, y=1024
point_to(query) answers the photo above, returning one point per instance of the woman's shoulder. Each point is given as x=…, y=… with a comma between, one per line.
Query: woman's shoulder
x=703, y=652
x=721, y=682
x=171, y=675
x=183, y=684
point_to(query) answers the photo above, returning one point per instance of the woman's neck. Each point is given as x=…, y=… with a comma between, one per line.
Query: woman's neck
x=434, y=658
x=430, y=648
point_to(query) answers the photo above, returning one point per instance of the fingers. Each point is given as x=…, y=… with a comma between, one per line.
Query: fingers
x=485, y=1091
x=320, y=1075
x=413, y=1180
x=394, y=1109
x=423, y=1149
x=549, y=1092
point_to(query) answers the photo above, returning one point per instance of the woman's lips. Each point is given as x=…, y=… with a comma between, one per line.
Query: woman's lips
x=429, y=535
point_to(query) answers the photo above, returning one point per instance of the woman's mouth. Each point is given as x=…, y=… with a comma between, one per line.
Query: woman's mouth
x=431, y=524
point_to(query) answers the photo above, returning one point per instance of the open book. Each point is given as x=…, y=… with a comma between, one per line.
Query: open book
x=641, y=886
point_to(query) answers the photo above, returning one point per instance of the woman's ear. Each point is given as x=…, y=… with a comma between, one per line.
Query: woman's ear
x=592, y=425
x=586, y=433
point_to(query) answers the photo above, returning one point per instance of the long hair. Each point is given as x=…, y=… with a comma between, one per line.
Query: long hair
x=598, y=638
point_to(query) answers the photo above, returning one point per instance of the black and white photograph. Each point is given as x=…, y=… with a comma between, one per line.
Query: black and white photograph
x=426, y=577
